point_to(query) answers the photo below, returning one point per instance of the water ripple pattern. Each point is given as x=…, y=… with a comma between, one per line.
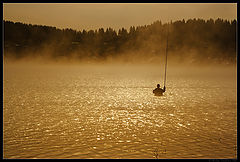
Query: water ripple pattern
x=78, y=112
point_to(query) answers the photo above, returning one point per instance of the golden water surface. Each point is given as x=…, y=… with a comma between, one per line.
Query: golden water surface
x=110, y=112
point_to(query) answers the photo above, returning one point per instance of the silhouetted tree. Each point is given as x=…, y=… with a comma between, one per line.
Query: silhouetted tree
x=211, y=39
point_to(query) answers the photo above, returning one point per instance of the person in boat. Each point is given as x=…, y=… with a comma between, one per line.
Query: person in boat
x=159, y=91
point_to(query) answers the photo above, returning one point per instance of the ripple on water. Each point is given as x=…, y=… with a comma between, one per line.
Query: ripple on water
x=92, y=114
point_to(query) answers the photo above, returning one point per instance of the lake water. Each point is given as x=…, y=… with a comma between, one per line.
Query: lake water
x=73, y=111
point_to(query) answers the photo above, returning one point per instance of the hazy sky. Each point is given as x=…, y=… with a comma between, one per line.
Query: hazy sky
x=88, y=16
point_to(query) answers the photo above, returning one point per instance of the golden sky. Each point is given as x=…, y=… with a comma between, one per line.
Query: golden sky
x=88, y=16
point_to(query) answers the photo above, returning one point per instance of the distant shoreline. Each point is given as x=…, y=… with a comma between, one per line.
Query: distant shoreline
x=190, y=41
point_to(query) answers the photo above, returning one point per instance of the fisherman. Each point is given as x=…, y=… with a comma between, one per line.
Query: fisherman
x=159, y=91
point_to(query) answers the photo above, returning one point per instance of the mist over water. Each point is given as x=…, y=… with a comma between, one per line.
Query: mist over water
x=71, y=94
x=108, y=110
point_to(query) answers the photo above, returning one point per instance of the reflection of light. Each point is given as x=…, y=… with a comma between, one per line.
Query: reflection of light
x=132, y=116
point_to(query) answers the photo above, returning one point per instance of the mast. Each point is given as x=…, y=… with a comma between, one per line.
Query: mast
x=166, y=57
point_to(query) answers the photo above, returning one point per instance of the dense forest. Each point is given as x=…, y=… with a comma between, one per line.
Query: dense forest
x=195, y=40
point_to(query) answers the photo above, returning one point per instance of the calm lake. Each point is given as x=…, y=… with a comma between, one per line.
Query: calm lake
x=107, y=111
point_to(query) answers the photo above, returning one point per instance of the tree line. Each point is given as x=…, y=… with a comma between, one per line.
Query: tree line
x=197, y=39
